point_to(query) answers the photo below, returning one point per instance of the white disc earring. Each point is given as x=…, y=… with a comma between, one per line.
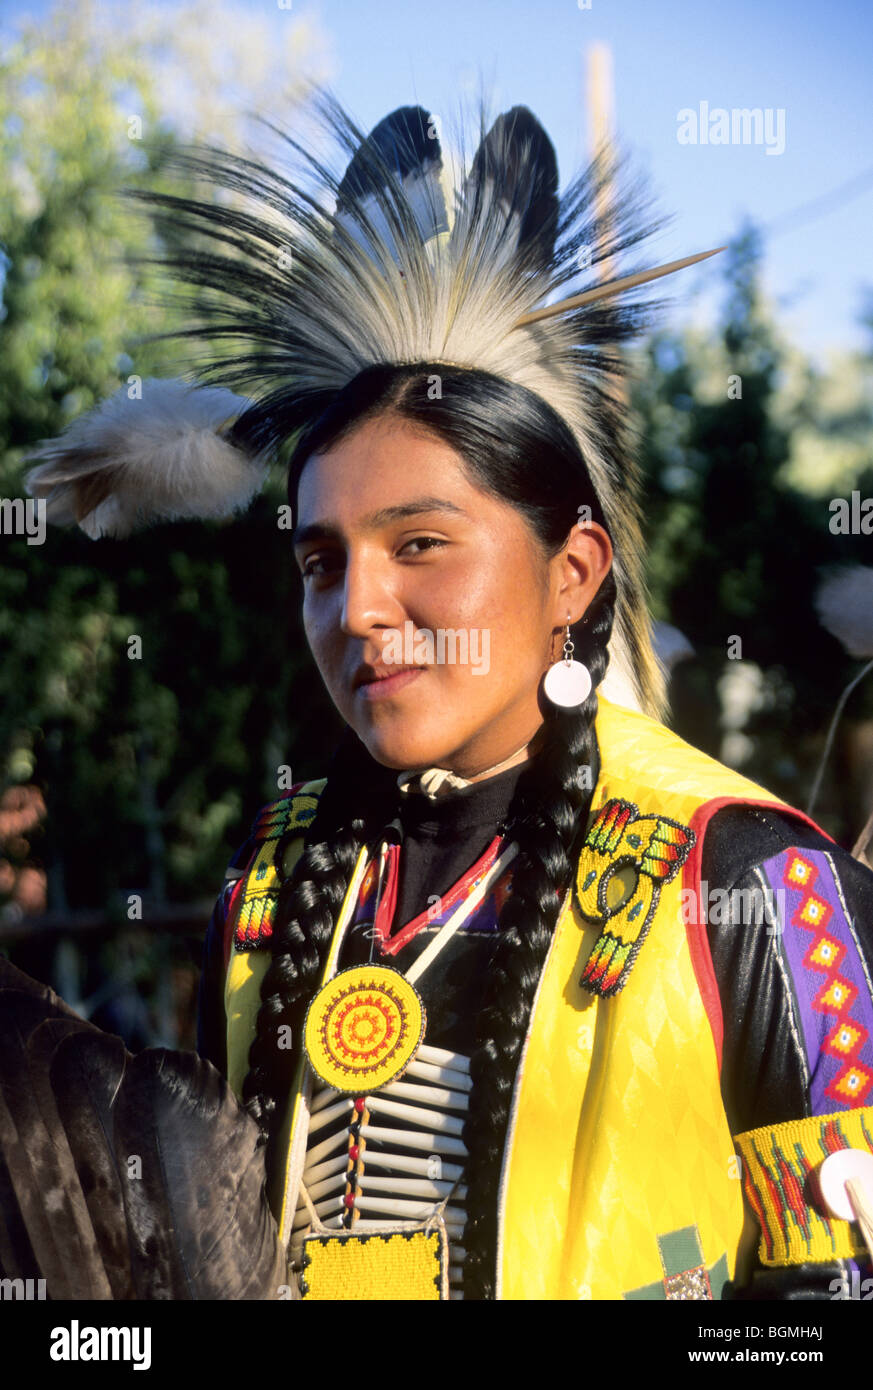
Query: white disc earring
x=568, y=682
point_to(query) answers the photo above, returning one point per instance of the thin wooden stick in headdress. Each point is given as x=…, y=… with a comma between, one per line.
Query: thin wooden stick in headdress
x=626, y=282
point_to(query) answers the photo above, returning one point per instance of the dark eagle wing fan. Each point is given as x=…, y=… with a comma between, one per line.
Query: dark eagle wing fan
x=124, y=1176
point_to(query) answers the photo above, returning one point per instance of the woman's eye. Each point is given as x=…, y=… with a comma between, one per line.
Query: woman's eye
x=425, y=542
x=319, y=566
x=324, y=565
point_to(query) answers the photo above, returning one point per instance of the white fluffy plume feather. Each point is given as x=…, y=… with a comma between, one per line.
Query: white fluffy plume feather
x=158, y=456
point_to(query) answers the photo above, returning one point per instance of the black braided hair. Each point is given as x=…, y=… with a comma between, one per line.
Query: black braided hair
x=518, y=449
x=309, y=902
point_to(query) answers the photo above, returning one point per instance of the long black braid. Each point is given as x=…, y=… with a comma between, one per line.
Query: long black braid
x=518, y=449
x=309, y=902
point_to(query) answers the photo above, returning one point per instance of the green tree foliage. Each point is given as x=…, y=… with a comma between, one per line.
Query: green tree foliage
x=151, y=764
x=736, y=546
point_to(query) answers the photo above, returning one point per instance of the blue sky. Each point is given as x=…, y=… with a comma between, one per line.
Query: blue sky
x=811, y=62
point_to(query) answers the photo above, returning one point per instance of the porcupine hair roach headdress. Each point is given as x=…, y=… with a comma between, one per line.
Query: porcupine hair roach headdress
x=402, y=268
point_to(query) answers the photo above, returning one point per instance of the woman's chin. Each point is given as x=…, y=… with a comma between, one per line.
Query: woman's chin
x=404, y=753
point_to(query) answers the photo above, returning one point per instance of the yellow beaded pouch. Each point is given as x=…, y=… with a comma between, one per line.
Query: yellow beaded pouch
x=391, y=1265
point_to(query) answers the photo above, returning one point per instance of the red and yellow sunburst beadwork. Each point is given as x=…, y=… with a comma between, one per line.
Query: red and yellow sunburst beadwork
x=814, y=912
x=845, y=1040
x=835, y=995
x=852, y=1085
x=363, y=1028
x=825, y=953
x=800, y=872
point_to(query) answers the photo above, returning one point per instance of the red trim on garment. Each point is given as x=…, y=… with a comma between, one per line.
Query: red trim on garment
x=388, y=901
x=698, y=940
x=390, y=945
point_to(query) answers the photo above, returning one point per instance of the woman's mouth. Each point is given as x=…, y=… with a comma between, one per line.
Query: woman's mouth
x=381, y=686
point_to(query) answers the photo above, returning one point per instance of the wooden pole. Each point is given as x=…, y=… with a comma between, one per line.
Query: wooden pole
x=601, y=119
x=601, y=124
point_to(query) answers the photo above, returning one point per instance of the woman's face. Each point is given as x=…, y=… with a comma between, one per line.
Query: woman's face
x=429, y=606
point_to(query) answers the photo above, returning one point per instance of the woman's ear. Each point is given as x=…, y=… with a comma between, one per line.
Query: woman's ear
x=579, y=570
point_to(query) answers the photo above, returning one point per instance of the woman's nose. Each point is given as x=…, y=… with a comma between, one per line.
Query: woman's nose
x=369, y=598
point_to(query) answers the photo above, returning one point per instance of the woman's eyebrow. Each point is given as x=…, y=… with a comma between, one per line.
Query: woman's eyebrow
x=399, y=511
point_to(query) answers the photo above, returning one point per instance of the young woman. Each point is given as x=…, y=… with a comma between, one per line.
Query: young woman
x=472, y=987
x=591, y=1152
